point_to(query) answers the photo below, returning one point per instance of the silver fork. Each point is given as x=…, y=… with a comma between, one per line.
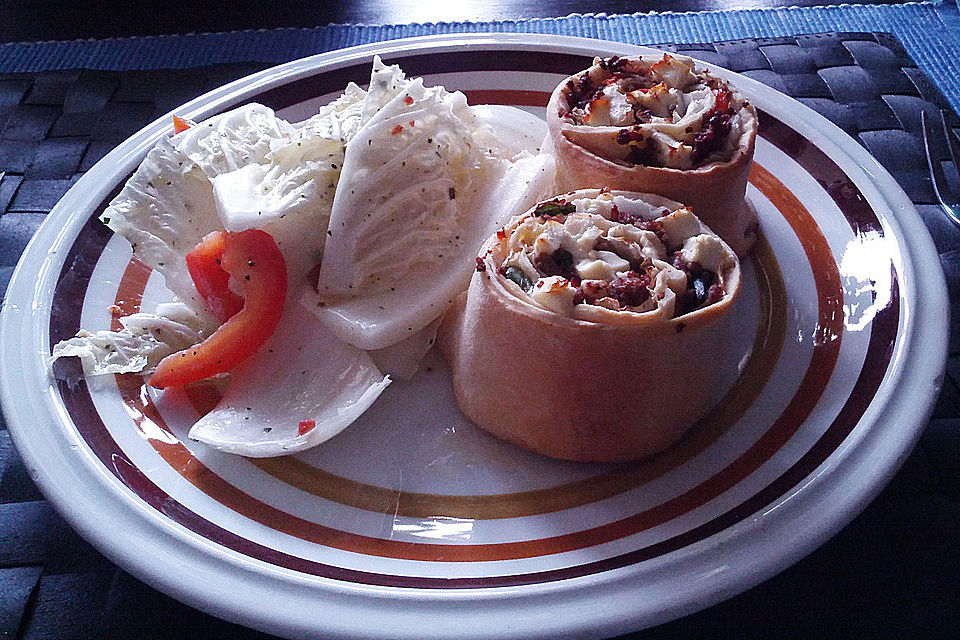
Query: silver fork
x=948, y=199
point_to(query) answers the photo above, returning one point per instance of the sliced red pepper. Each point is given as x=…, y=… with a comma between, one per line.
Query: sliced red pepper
x=211, y=281
x=180, y=125
x=253, y=259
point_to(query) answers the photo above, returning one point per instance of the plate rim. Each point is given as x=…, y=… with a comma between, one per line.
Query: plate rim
x=917, y=255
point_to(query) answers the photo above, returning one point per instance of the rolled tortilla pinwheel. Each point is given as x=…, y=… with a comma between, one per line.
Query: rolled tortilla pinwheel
x=659, y=125
x=590, y=325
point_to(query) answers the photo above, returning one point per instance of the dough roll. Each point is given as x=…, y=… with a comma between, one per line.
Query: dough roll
x=590, y=327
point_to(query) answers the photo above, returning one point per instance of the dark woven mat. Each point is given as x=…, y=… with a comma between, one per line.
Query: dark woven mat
x=894, y=571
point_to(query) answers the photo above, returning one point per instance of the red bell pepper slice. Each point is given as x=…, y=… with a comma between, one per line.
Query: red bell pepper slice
x=254, y=260
x=211, y=281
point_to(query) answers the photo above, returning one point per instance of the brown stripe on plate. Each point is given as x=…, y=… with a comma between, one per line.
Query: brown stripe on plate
x=71, y=287
x=79, y=405
x=511, y=97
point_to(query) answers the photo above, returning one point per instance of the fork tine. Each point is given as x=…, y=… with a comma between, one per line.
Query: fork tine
x=952, y=144
x=940, y=186
x=936, y=170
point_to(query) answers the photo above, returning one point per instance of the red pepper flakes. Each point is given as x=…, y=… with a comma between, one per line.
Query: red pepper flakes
x=180, y=125
x=411, y=123
x=397, y=129
x=723, y=101
x=408, y=100
x=305, y=426
x=501, y=233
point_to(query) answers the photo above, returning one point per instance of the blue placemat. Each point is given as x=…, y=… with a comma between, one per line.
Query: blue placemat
x=930, y=32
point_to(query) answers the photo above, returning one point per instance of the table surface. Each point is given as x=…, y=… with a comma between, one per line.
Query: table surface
x=893, y=571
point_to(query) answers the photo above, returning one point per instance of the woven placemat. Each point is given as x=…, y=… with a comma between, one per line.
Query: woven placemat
x=894, y=570
x=929, y=30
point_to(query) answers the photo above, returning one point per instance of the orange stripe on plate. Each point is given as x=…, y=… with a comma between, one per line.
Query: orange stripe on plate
x=829, y=286
x=756, y=372
x=130, y=291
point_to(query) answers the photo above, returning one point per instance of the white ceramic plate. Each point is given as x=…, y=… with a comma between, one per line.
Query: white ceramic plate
x=413, y=523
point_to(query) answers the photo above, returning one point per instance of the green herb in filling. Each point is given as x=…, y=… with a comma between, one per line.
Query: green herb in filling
x=550, y=209
x=518, y=277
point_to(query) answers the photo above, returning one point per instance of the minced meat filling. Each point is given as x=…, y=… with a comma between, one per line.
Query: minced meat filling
x=711, y=136
x=629, y=290
x=605, y=252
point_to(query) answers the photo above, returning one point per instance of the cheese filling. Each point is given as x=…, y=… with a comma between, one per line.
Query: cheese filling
x=613, y=252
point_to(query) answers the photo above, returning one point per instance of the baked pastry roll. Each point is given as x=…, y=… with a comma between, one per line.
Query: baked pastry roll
x=657, y=124
x=590, y=325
